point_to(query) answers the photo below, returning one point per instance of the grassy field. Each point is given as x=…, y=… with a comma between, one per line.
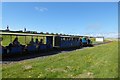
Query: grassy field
x=96, y=62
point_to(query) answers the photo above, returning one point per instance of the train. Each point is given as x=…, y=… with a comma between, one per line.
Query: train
x=52, y=42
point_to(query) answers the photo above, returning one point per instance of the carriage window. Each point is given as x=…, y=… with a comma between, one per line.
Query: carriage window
x=6, y=40
x=21, y=39
x=28, y=39
x=63, y=38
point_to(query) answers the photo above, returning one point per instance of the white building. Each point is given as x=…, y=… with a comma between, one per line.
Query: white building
x=99, y=39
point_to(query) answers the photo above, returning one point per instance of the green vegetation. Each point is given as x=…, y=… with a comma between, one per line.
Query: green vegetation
x=95, y=62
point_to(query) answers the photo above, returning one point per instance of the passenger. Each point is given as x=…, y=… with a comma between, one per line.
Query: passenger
x=36, y=41
x=80, y=41
x=3, y=50
x=41, y=41
x=84, y=41
x=9, y=46
x=88, y=41
x=32, y=42
x=16, y=42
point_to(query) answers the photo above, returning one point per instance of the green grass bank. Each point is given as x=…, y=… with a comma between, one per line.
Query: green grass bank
x=96, y=62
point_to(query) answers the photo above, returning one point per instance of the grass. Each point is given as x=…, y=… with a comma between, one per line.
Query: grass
x=96, y=62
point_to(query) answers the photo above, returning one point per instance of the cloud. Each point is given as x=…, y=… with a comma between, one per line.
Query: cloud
x=41, y=9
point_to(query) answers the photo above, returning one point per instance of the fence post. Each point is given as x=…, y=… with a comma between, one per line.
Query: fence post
x=25, y=39
x=10, y=38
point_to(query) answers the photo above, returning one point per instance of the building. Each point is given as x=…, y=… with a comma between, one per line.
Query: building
x=99, y=39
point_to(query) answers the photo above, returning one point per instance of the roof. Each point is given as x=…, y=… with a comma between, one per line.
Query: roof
x=23, y=34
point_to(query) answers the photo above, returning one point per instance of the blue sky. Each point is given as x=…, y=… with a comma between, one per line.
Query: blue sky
x=62, y=17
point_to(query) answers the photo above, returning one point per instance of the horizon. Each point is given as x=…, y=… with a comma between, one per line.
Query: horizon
x=78, y=18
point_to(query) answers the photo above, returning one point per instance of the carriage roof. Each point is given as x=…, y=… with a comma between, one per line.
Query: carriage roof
x=23, y=34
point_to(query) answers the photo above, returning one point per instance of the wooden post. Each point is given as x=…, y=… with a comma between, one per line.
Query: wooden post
x=53, y=41
x=25, y=39
x=44, y=40
x=10, y=38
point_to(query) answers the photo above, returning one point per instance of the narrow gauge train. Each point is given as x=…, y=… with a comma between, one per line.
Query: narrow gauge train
x=51, y=42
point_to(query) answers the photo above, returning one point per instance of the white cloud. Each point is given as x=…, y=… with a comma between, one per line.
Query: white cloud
x=41, y=9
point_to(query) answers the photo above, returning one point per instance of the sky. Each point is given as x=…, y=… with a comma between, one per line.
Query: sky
x=81, y=18
x=60, y=0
